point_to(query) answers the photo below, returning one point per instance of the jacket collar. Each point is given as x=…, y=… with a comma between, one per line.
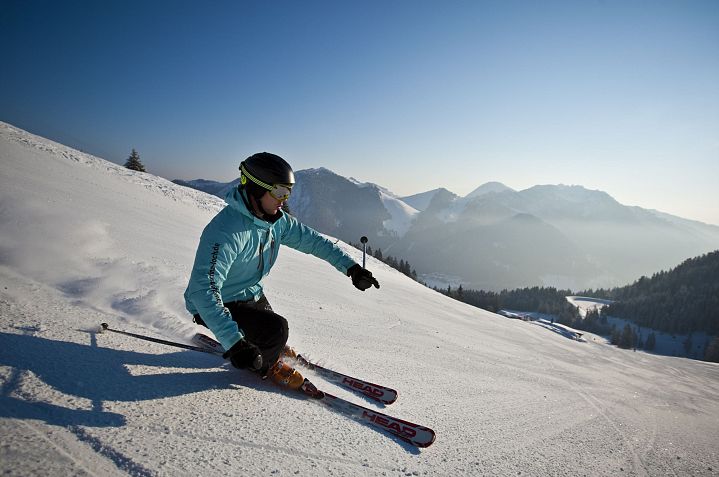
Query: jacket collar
x=239, y=201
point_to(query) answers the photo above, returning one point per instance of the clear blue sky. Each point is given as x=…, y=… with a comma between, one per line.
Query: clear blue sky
x=621, y=96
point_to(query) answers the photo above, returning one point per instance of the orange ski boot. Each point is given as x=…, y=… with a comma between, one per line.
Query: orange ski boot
x=285, y=375
x=289, y=352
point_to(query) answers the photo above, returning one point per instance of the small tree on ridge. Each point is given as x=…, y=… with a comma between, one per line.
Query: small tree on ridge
x=133, y=162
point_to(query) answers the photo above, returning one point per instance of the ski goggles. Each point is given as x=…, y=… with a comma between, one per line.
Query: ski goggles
x=279, y=192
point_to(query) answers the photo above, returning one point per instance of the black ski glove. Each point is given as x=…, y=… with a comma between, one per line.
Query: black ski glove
x=361, y=277
x=244, y=355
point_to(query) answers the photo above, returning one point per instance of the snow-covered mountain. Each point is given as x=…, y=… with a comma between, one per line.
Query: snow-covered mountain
x=85, y=241
x=401, y=213
x=338, y=206
x=496, y=237
x=422, y=200
x=488, y=188
x=211, y=187
x=348, y=209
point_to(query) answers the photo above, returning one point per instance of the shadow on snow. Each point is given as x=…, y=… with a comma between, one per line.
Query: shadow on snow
x=103, y=374
x=98, y=374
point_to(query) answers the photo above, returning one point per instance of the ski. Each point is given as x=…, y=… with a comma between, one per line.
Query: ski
x=208, y=343
x=414, y=434
x=373, y=391
x=377, y=392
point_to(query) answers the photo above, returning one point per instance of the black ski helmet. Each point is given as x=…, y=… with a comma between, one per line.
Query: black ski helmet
x=259, y=172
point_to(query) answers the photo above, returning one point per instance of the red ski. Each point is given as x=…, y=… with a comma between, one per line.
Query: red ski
x=414, y=434
x=373, y=391
x=377, y=392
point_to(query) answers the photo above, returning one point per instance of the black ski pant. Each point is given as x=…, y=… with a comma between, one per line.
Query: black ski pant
x=261, y=326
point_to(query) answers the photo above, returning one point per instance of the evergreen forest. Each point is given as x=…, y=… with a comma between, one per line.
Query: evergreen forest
x=682, y=300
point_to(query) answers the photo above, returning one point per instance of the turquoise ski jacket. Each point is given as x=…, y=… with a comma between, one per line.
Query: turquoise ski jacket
x=236, y=251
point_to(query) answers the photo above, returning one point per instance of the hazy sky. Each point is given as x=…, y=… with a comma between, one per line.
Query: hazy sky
x=621, y=96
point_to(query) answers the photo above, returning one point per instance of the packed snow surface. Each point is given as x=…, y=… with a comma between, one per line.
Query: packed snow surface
x=84, y=241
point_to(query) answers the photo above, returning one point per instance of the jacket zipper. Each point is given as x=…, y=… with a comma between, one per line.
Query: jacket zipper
x=261, y=265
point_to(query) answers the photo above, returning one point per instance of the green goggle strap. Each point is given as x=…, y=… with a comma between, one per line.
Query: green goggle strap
x=246, y=175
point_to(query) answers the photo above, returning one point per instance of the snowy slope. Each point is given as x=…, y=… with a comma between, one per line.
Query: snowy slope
x=585, y=304
x=401, y=213
x=84, y=241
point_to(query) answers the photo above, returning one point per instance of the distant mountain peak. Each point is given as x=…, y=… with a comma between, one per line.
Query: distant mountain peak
x=570, y=193
x=319, y=171
x=488, y=188
x=382, y=190
x=422, y=200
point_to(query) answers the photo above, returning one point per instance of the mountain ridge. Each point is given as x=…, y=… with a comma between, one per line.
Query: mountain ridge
x=608, y=243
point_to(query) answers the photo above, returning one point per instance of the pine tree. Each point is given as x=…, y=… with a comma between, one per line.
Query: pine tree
x=712, y=353
x=688, y=345
x=133, y=162
x=651, y=342
x=626, y=339
x=378, y=255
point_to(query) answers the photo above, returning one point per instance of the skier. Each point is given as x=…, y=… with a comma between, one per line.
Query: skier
x=237, y=250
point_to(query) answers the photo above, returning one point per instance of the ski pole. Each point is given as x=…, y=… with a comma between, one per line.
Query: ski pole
x=106, y=327
x=364, y=251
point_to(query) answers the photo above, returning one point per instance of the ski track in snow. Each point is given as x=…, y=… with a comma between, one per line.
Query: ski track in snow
x=84, y=241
